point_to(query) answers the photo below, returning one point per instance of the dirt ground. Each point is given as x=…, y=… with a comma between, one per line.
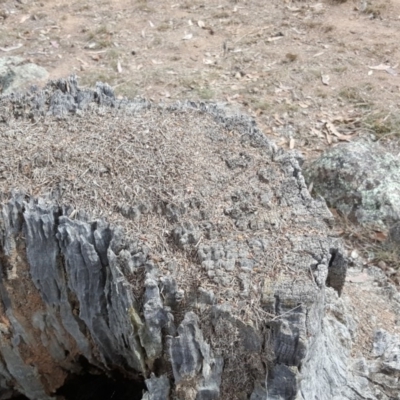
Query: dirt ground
x=312, y=73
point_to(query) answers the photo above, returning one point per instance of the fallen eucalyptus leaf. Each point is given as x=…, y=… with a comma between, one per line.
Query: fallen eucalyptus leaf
x=188, y=36
x=383, y=67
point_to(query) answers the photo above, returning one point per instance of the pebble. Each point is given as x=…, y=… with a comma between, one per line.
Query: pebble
x=354, y=254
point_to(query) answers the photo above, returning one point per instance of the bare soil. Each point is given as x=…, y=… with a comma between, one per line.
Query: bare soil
x=296, y=66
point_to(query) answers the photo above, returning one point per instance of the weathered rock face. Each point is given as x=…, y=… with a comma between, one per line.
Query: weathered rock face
x=224, y=285
x=360, y=179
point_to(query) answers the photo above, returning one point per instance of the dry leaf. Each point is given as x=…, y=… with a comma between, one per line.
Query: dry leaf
x=236, y=96
x=317, y=132
x=339, y=232
x=334, y=212
x=380, y=67
x=11, y=48
x=291, y=144
x=317, y=7
x=24, y=18
x=151, y=24
x=346, y=120
x=325, y=79
x=119, y=68
x=274, y=38
x=278, y=120
x=293, y=9
x=201, y=24
x=380, y=236
x=285, y=88
x=328, y=138
x=383, y=67
x=282, y=142
x=155, y=62
x=188, y=36
x=84, y=63
x=332, y=129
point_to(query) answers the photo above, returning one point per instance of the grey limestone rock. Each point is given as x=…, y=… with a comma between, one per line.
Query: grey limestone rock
x=192, y=360
x=158, y=388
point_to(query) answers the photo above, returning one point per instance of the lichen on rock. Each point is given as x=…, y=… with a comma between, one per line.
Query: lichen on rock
x=361, y=180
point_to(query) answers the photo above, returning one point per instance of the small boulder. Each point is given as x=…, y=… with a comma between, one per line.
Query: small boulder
x=15, y=73
x=361, y=180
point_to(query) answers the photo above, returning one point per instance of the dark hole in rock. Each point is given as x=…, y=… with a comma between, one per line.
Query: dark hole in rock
x=17, y=397
x=336, y=271
x=99, y=386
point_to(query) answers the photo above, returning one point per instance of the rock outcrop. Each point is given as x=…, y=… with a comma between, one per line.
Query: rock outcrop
x=175, y=248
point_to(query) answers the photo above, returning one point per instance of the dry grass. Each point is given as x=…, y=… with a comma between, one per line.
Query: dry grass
x=353, y=95
x=205, y=93
x=383, y=124
x=373, y=246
